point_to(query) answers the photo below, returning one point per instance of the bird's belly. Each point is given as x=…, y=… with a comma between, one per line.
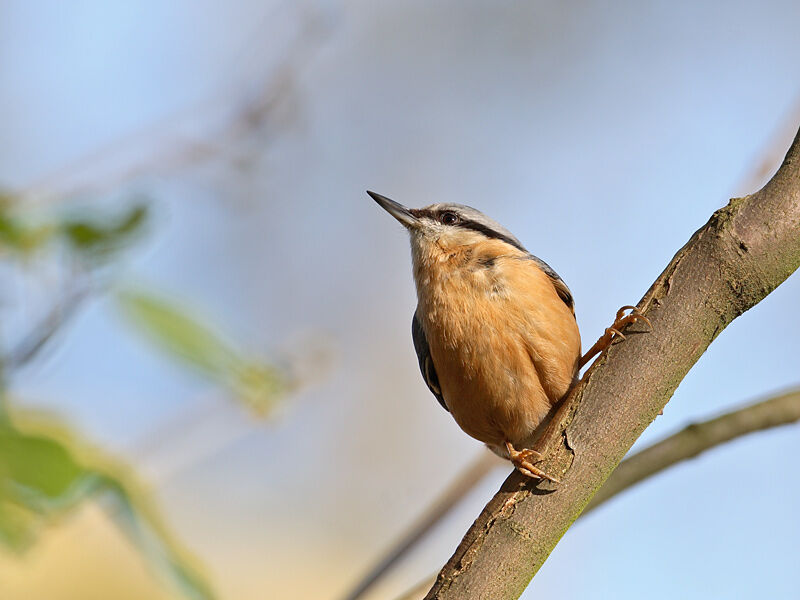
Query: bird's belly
x=499, y=396
x=503, y=359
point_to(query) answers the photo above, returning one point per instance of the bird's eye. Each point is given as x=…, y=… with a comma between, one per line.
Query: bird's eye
x=449, y=218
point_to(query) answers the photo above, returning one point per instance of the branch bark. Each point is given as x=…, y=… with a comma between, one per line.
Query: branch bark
x=730, y=264
x=689, y=442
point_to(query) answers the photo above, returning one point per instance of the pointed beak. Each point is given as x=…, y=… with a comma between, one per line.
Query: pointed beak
x=397, y=210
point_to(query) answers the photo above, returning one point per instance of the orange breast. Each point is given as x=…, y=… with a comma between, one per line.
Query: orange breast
x=504, y=345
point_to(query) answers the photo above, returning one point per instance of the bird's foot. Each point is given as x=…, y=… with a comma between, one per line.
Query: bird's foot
x=615, y=331
x=521, y=459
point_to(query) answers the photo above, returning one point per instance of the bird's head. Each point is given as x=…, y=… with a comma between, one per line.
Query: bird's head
x=446, y=227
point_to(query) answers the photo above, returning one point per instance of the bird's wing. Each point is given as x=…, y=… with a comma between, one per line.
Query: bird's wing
x=561, y=288
x=425, y=360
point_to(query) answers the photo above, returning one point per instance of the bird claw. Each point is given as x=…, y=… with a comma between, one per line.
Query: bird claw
x=623, y=320
x=614, y=332
x=521, y=459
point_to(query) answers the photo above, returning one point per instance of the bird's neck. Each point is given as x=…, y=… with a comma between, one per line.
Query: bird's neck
x=446, y=275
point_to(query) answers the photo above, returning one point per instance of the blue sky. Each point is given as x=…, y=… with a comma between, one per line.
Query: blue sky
x=602, y=136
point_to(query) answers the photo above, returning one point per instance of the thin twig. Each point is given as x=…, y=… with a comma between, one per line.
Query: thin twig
x=769, y=158
x=58, y=316
x=418, y=591
x=163, y=149
x=465, y=482
x=696, y=439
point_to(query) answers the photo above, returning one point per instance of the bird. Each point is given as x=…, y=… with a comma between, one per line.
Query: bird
x=494, y=329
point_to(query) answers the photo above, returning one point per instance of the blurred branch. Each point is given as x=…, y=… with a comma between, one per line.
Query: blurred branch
x=690, y=442
x=769, y=159
x=165, y=149
x=41, y=478
x=91, y=241
x=696, y=439
x=729, y=265
x=60, y=314
x=418, y=591
x=465, y=482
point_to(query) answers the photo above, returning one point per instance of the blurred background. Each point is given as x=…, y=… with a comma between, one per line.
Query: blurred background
x=209, y=386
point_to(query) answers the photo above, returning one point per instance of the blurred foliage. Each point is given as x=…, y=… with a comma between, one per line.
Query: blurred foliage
x=22, y=238
x=45, y=474
x=103, y=237
x=87, y=236
x=186, y=338
x=45, y=471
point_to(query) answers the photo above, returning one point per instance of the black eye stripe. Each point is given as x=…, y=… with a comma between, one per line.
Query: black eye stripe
x=490, y=233
x=468, y=224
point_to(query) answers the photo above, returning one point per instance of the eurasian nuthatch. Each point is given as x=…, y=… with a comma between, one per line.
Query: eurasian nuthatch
x=494, y=330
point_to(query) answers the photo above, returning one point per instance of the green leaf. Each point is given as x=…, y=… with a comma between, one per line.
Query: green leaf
x=20, y=237
x=100, y=238
x=258, y=387
x=18, y=526
x=90, y=235
x=185, y=338
x=44, y=477
x=37, y=470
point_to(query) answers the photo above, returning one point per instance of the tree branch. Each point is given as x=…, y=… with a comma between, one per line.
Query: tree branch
x=688, y=443
x=696, y=439
x=744, y=252
x=466, y=481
